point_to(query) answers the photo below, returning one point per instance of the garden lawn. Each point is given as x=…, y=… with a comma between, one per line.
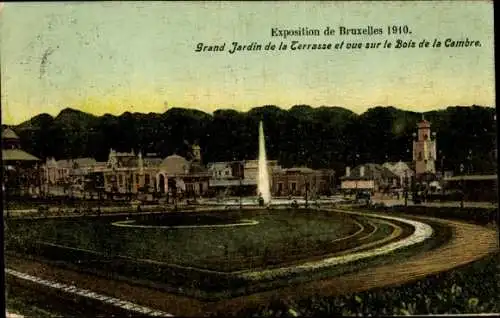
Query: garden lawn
x=278, y=234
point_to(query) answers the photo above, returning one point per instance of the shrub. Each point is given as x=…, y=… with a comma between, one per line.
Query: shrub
x=474, y=288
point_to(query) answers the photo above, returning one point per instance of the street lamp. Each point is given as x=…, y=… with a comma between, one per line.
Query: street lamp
x=442, y=163
x=406, y=188
x=240, y=172
x=307, y=188
x=469, y=162
x=442, y=173
x=356, y=160
x=463, y=185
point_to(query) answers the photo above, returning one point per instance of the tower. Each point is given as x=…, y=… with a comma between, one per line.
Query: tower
x=424, y=149
x=140, y=163
x=196, y=151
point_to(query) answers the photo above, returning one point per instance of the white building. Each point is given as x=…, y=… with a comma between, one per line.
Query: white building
x=128, y=173
x=402, y=170
x=65, y=171
x=368, y=177
x=236, y=173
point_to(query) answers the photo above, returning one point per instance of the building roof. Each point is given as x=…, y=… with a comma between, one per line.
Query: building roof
x=174, y=164
x=298, y=170
x=8, y=133
x=399, y=167
x=472, y=177
x=17, y=155
x=371, y=171
x=152, y=162
x=196, y=168
x=79, y=162
x=424, y=124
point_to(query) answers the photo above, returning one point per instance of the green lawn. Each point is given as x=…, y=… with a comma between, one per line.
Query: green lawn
x=278, y=235
x=92, y=244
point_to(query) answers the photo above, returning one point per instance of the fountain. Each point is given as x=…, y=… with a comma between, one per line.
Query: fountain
x=263, y=186
x=263, y=181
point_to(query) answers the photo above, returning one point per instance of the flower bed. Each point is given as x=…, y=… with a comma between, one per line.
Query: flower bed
x=474, y=288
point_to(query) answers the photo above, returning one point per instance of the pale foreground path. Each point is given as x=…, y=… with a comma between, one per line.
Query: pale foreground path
x=470, y=242
x=90, y=294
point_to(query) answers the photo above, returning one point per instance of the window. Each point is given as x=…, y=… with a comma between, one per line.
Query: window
x=294, y=186
x=280, y=187
x=136, y=178
x=420, y=155
x=226, y=173
x=120, y=180
x=146, y=179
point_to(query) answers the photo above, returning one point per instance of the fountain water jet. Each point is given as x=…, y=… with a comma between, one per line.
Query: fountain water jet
x=263, y=181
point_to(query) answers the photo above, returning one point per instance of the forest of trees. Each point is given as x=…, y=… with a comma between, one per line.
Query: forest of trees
x=324, y=137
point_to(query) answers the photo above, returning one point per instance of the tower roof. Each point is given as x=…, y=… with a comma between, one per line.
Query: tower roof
x=8, y=133
x=424, y=124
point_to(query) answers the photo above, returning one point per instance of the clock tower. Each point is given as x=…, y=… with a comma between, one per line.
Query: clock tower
x=424, y=149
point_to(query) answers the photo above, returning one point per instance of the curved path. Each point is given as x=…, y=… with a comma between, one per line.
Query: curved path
x=132, y=223
x=470, y=242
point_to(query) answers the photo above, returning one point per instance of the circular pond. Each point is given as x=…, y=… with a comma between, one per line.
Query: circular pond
x=187, y=220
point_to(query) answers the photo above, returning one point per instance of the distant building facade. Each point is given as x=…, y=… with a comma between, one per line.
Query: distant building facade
x=128, y=173
x=300, y=181
x=473, y=187
x=242, y=173
x=22, y=173
x=66, y=171
x=369, y=177
x=403, y=170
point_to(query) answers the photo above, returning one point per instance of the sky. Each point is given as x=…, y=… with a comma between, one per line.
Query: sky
x=140, y=57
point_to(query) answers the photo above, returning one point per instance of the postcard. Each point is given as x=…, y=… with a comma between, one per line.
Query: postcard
x=249, y=158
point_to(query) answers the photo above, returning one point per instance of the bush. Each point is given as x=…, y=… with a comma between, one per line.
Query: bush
x=474, y=288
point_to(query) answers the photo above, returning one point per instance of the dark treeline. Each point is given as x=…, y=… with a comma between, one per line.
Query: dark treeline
x=324, y=137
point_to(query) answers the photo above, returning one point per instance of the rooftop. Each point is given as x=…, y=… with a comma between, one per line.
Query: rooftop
x=371, y=171
x=298, y=170
x=8, y=133
x=17, y=155
x=472, y=177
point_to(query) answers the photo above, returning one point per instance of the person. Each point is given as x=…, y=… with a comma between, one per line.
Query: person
x=261, y=200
